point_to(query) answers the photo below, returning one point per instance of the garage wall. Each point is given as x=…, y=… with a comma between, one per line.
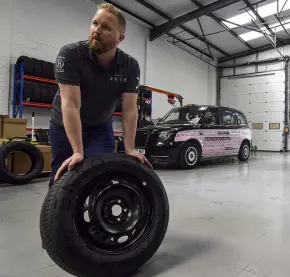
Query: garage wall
x=170, y=68
x=5, y=52
x=212, y=85
x=40, y=28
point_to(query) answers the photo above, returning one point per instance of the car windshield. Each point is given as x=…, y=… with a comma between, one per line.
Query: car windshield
x=182, y=115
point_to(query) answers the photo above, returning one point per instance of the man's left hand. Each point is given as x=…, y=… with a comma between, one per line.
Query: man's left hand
x=140, y=157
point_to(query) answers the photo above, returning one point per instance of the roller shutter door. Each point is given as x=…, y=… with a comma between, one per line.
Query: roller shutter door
x=262, y=99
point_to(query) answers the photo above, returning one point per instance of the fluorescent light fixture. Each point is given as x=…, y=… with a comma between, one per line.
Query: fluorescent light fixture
x=263, y=11
x=276, y=27
x=240, y=19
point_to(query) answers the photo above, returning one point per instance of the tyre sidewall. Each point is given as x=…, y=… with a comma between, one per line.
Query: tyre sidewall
x=32, y=151
x=74, y=251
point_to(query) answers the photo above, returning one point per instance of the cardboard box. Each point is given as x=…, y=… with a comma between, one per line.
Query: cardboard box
x=20, y=163
x=46, y=151
x=13, y=127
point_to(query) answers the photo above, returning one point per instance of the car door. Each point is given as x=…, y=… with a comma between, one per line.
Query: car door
x=230, y=133
x=211, y=126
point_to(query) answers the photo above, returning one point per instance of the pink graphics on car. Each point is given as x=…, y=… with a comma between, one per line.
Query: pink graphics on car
x=215, y=142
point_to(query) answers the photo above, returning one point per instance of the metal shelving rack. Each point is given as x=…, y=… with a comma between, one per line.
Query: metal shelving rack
x=18, y=92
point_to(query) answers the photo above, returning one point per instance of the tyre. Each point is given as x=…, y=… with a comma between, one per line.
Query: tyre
x=37, y=71
x=52, y=92
x=190, y=155
x=245, y=151
x=28, y=64
x=106, y=217
x=28, y=91
x=37, y=162
x=44, y=94
x=47, y=70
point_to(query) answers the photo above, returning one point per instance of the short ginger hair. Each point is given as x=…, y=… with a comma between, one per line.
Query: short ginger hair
x=117, y=13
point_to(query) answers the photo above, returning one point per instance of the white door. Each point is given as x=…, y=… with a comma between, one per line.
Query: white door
x=261, y=98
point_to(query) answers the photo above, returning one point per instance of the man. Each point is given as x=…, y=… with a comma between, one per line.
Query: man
x=92, y=76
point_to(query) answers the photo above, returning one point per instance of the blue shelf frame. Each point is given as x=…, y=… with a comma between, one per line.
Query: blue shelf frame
x=18, y=94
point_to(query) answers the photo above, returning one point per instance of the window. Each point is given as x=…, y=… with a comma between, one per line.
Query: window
x=183, y=115
x=241, y=120
x=257, y=126
x=228, y=118
x=211, y=117
x=273, y=126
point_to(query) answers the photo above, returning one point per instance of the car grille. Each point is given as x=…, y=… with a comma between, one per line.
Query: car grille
x=141, y=139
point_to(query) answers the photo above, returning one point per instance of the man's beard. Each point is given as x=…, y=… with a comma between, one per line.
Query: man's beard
x=101, y=47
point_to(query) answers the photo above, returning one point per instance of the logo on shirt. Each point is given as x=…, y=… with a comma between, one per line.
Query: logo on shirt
x=118, y=78
x=59, y=64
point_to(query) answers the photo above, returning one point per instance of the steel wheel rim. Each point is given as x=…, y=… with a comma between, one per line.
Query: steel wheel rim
x=118, y=215
x=191, y=156
x=246, y=151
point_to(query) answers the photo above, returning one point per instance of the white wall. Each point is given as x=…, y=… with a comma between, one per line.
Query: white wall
x=212, y=86
x=5, y=52
x=172, y=69
x=39, y=28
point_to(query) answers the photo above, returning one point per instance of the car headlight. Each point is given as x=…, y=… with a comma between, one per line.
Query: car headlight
x=165, y=135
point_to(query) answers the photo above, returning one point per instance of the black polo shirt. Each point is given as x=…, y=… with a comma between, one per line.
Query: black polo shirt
x=101, y=89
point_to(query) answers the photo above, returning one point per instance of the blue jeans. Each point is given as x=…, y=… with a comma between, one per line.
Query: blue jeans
x=96, y=140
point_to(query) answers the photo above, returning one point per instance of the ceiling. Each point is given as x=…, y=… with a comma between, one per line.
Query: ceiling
x=207, y=36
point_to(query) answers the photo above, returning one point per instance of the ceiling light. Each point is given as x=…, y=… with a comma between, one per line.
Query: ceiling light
x=263, y=11
x=276, y=28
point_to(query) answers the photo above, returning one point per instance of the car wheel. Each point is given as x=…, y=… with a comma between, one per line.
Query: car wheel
x=190, y=155
x=244, y=152
x=106, y=217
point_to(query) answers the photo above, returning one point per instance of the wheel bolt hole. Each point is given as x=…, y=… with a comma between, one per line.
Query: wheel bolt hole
x=86, y=216
x=117, y=210
x=123, y=239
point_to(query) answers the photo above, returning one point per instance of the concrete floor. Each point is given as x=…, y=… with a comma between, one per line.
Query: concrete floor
x=228, y=219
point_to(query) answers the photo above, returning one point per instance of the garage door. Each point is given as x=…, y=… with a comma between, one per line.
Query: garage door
x=261, y=98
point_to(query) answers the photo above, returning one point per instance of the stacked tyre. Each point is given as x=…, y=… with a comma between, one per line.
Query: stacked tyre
x=39, y=92
x=37, y=68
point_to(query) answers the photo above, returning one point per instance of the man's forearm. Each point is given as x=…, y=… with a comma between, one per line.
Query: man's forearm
x=72, y=124
x=130, y=120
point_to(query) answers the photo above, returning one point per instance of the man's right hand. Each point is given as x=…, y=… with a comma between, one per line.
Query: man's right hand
x=69, y=164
